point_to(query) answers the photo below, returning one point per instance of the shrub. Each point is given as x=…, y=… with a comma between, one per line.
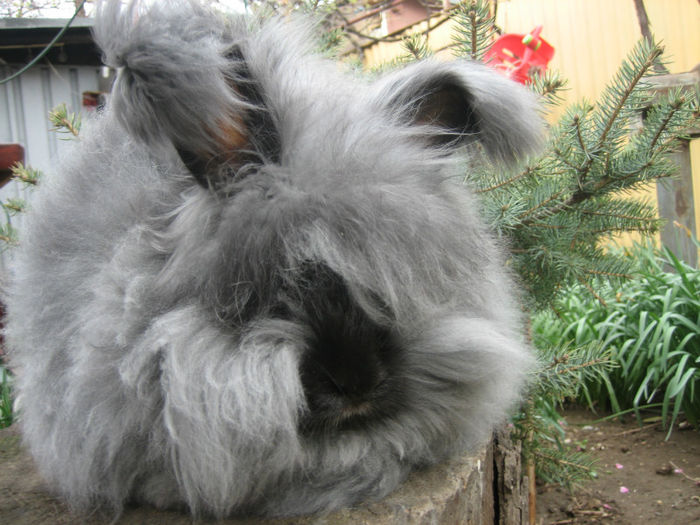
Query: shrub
x=651, y=325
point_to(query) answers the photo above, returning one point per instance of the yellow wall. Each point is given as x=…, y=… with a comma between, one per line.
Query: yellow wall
x=591, y=38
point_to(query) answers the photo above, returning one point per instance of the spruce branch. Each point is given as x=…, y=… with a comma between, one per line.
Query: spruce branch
x=564, y=467
x=416, y=46
x=530, y=215
x=330, y=42
x=14, y=206
x=475, y=29
x=548, y=86
x=673, y=109
x=582, y=143
x=63, y=121
x=570, y=461
x=8, y=235
x=577, y=368
x=620, y=93
x=599, y=273
x=565, y=368
x=617, y=175
x=525, y=173
x=25, y=174
x=632, y=218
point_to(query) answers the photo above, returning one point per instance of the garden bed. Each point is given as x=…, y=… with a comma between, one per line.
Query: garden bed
x=641, y=477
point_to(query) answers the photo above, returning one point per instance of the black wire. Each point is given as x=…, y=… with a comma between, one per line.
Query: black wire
x=46, y=49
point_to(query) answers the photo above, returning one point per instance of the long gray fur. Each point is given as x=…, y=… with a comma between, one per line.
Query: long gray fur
x=173, y=295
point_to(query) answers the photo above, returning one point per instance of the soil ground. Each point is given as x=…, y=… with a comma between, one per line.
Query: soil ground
x=641, y=477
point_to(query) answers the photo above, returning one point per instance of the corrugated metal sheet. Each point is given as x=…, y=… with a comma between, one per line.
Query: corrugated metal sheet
x=27, y=101
x=24, y=107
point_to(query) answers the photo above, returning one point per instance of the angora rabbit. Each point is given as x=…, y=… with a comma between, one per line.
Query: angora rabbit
x=257, y=285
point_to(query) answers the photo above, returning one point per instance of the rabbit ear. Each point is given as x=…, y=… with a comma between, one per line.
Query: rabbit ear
x=463, y=102
x=182, y=81
x=246, y=136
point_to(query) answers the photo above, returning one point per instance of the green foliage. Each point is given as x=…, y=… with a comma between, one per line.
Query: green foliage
x=557, y=212
x=539, y=425
x=651, y=327
x=11, y=207
x=25, y=174
x=7, y=415
x=14, y=206
x=549, y=86
x=331, y=42
x=416, y=46
x=475, y=29
x=65, y=122
x=562, y=206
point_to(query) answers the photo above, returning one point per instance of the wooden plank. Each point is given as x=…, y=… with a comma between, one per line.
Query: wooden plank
x=677, y=207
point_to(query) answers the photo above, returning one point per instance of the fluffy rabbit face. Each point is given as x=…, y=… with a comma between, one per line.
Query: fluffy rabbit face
x=277, y=299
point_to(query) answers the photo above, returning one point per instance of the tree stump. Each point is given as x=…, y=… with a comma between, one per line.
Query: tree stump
x=483, y=488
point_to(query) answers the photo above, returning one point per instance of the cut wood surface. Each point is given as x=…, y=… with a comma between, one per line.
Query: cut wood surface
x=459, y=492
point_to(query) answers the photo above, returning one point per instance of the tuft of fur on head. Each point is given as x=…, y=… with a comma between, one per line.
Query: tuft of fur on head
x=169, y=72
x=256, y=286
